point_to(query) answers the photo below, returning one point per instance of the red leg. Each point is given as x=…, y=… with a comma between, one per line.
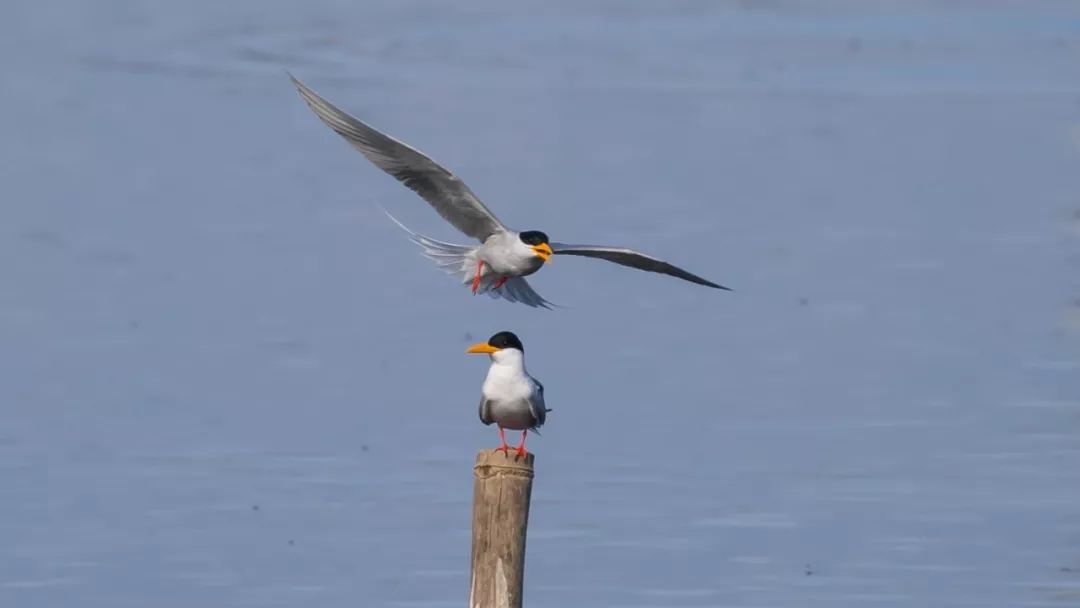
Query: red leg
x=504, y=448
x=476, y=279
x=521, y=446
x=500, y=282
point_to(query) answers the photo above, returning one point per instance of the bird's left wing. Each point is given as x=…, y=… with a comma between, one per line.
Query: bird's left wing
x=537, y=406
x=517, y=289
x=443, y=190
x=633, y=259
x=485, y=411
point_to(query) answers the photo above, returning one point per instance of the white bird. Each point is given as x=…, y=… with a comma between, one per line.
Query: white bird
x=510, y=398
x=499, y=264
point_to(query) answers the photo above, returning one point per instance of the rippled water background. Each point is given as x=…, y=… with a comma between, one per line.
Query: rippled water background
x=227, y=380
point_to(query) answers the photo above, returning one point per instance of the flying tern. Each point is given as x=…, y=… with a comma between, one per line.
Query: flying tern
x=499, y=265
x=510, y=398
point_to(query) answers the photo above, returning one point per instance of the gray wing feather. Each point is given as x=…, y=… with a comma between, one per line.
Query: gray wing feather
x=517, y=289
x=633, y=259
x=537, y=406
x=450, y=197
x=485, y=411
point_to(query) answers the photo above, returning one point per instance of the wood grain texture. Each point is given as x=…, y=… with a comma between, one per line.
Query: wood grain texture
x=501, y=490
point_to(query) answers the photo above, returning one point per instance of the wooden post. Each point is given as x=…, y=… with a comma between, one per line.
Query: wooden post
x=501, y=493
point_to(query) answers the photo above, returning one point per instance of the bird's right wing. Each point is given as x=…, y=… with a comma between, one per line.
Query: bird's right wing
x=633, y=259
x=450, y=197
x=517, y=289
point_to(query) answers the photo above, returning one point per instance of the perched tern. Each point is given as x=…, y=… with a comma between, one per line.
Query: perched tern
x=510, y=398
x=499, y=265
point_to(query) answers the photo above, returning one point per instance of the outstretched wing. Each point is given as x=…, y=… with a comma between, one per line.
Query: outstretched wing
x=633, y=259
x=450, y=197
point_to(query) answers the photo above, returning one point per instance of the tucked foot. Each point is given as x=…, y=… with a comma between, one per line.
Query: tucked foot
x=479, y=273
x=500, y=282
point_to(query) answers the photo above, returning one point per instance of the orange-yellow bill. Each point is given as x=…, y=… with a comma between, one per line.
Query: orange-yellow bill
x=542, y=251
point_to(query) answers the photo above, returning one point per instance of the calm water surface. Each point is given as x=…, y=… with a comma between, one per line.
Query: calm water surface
x=227, y=379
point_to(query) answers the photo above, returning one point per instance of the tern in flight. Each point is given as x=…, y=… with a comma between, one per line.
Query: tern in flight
x=510, y=398
x=499, y=264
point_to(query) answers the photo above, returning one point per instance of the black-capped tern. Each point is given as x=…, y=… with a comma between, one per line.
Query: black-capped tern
x=499, y=265
x=510, y=398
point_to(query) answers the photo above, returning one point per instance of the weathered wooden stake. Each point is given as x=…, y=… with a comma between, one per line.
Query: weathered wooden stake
x=501, y=494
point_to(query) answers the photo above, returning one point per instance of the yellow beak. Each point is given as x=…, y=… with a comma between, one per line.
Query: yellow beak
x=542, y=251
x=483, y=348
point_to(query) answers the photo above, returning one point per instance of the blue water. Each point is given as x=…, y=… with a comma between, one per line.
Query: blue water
x=226, y=379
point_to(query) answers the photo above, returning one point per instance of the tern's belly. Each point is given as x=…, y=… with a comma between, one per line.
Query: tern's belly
x=514, y=267
x=514, y=415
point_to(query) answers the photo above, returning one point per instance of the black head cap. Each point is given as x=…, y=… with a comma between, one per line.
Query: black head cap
x=506, y=339
x=533, y=237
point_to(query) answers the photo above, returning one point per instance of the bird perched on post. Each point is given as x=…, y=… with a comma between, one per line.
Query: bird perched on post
x=499, y=265
x=510, y=397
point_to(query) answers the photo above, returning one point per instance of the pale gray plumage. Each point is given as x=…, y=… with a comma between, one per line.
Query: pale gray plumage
x=450, y=197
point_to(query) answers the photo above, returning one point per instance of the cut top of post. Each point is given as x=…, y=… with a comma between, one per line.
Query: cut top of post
x=490, y=463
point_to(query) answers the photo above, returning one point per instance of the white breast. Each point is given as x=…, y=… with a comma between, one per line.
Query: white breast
x=506, y=384
x=509, y=391
x=507, y=255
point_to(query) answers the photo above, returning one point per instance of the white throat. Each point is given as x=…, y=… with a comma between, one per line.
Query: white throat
x=509, y=359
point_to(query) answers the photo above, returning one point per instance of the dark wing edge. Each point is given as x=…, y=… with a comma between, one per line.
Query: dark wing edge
x=633, y=259
x=443, y=190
